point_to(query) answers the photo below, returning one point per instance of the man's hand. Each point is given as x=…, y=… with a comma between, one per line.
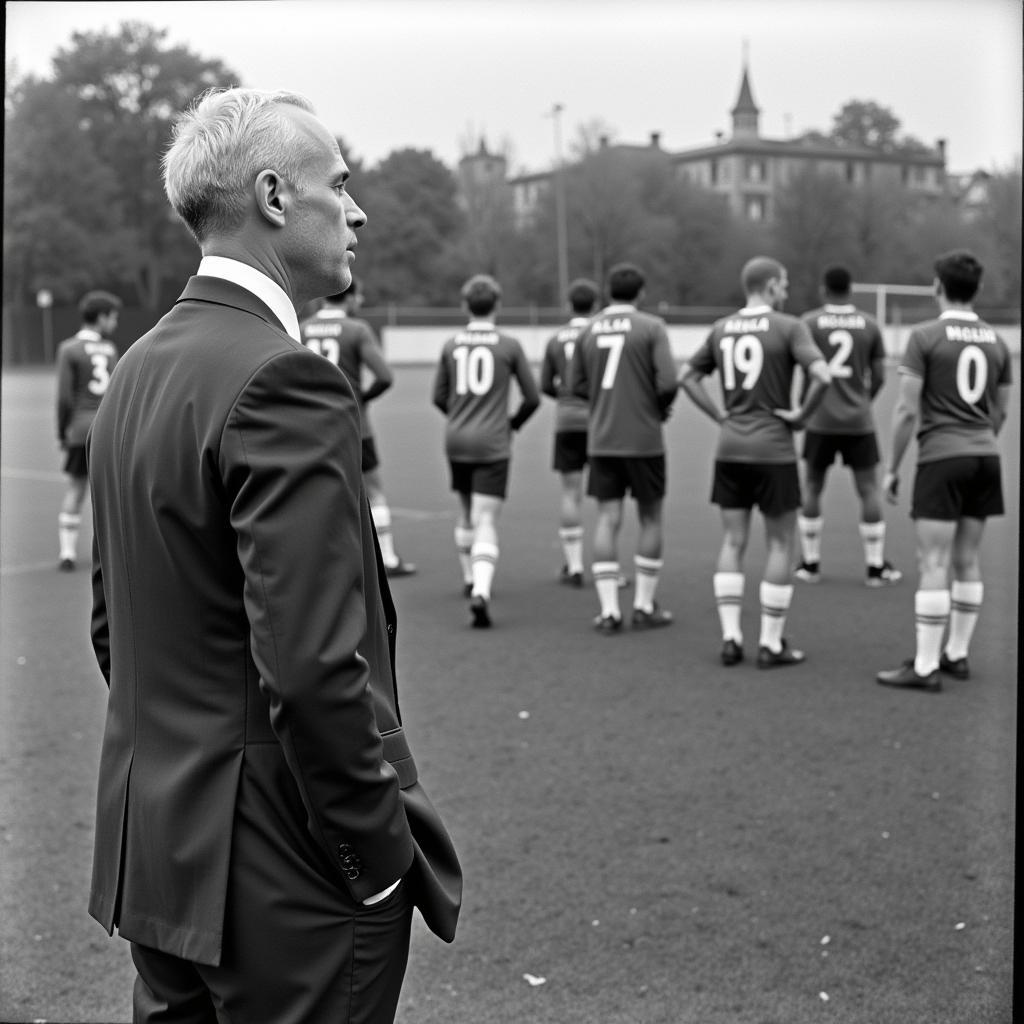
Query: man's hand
x=791, y=417
x=890, y=487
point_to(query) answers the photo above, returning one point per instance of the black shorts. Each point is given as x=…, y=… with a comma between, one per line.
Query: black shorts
x=949, y=489
x=570, y=454
x=489, y=478
x=74, y=461
x=773, y=486
x=370, y=460
x=858, y=451
x=612, y=475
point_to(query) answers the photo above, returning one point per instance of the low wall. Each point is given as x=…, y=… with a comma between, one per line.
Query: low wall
x=412, y=345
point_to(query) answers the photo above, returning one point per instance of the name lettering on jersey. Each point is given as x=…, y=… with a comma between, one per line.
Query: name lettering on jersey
x=849, y=321
x=965, y=332
x=618, y=325
x=746, y=325
x=99, y=348
x=477, y=338
x=568, y=334
x=327, y=329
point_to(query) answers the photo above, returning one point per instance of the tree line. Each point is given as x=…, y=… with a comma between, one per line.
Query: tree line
x=84, y=205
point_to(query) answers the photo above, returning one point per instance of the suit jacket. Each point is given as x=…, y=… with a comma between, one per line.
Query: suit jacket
x=243, y=622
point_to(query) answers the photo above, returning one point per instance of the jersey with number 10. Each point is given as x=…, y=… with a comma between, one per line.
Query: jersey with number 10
x=623, y=366
x=84, y=365
x=962, y=363
x=850, y=341
x=755, y=352
x=473, y=384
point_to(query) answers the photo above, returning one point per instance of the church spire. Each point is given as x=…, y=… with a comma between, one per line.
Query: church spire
x=746, y=112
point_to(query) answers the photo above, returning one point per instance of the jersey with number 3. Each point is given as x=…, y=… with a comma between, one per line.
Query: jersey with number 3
x=84, y=365
x=962, y=363
x=473, y=385
x=850, y=341
x=755, y=352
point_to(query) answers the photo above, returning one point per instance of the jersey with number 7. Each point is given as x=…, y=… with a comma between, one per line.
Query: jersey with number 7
x=756, y=351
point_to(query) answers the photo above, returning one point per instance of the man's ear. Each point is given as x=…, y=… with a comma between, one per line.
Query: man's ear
x=272, y=196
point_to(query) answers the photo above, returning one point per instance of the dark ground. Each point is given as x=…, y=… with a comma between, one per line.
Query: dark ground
x=661, y=839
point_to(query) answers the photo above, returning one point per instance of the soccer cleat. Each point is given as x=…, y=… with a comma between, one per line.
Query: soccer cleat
x=67, y=565
x=478, y=609
x=786, y=655
x=651, y=620
x=607, y=624
x=570, y=579
x=809, y=572
x=400, y=568
x=955, y=667
x=882, y=575
x=732, y=653
x=905, y=677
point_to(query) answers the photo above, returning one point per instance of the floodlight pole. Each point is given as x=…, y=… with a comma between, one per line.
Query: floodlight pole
x=561, y=233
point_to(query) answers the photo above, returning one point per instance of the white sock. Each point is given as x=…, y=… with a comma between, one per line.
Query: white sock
x=873, y=536
x=68, y=524
x=382, y=522
x=464, y=546
x=572, y=547
x=729, y=598
x=775, y=600
x=606, y=581
x=810, y=537
x=965, y=603
x=931, y=613
x=648, y=571
x=484, y=559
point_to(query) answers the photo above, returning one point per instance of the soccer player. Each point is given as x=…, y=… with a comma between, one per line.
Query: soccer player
x=472, y=387
x=622, y=365
x=84, y=365
x=335, y=332
x=843, y=425
x=954, y=377
x=570, y=451
x=755, y=352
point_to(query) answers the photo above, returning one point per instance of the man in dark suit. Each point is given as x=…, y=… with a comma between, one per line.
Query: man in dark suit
x=261, y=836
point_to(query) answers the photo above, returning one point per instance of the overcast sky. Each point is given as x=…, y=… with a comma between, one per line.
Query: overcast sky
x=435, y=74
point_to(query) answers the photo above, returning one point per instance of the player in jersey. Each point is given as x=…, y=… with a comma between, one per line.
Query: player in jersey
x=843, y=426
x=570, y=451
x=335, y=332
x=755, y=352
x=622, y=365
x=955, y=378
x=84, y=365
x=472, y=387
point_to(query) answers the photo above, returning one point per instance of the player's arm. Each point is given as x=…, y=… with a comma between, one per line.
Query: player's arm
x=1002, y=408
x=818, y=380
x=548, y=376
x=876, y=370
x=373, y=358
x=576, y=372
x=442, y=384
x=65, y=393
x=904, y=417
x=666, y=383
x=527, y=387
x=691, y=380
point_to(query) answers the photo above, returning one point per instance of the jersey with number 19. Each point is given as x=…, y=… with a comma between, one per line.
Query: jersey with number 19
x=473, y=384
x=623, y=366
x=962, y=362
x=755, y=351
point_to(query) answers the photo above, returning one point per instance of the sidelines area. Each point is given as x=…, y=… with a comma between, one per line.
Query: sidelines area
x=650, y=837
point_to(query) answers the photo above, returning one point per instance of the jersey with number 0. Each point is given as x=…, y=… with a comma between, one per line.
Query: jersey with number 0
x=962, y=363
x=850, y=341
x=623, y=366
x=571, y=412
x=755, y=352
x=473, y=384
x=341, y=339
x=84, y=365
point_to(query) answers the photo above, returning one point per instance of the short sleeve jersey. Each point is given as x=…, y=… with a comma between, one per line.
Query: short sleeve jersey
x=473, y=384
x=623, y=366
x=84, y=365
x=850, y=341
x=340, y=338
x=570, y=412
x=755, y=352
x=962, y=363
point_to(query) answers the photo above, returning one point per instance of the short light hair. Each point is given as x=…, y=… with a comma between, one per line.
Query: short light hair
x=758, y=272
x=220, y=144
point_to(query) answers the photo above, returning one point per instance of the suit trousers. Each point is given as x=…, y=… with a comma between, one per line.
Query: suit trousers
x=297, y=948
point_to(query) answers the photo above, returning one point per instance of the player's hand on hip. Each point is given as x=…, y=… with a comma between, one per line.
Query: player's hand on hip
x=791, y=417
x=890, y=487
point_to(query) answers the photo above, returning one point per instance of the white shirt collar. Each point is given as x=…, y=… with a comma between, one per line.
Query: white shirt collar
x=847, y=307
x=89, y=334
x=255, y=281
x=754, y=310
x=620, y=307
x=480, y=325
x=579, y=321
x=958, y=314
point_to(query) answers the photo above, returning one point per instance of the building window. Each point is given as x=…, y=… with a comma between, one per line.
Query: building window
x=755, y=171
x=755, y=207
x=714, y=172
x=850, y=173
